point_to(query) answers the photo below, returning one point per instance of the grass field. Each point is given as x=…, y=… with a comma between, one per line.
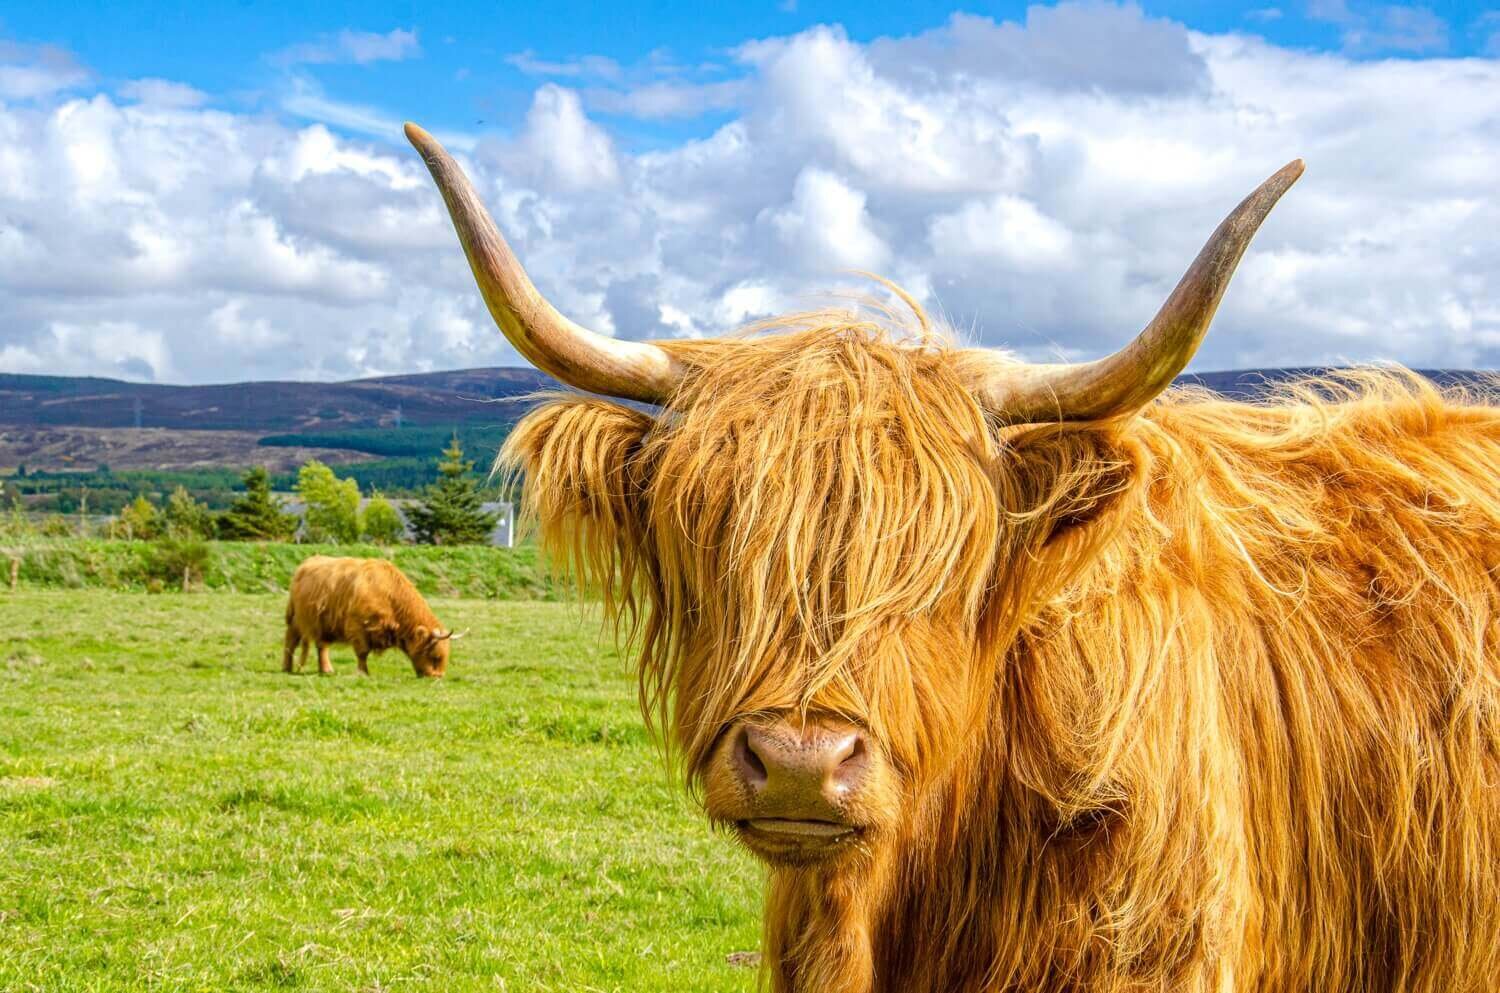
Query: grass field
x=177, y=814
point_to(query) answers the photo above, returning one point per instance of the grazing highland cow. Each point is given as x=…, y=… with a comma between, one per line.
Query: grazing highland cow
x=364, y=603
x=1037, y=678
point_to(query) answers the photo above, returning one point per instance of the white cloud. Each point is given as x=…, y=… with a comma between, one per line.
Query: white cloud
x=1045, y=198
x=1004, y=230
x=31, y=72
x=826, y=225
x=586, y=66
x=162, y=93
x=664, y=100
x=358, y=47
x=1372, y=28
x=560, y=148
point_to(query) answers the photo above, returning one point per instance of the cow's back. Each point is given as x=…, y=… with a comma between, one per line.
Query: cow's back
x=1356, y=643
x=329, y=596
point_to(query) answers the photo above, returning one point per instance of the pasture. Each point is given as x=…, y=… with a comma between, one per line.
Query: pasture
x=177, y=814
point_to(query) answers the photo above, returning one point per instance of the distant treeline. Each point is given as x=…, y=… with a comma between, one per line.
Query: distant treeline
x=418, y=442
x=102, y=491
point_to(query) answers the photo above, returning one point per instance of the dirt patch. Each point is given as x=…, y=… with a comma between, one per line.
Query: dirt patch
x=60, y=449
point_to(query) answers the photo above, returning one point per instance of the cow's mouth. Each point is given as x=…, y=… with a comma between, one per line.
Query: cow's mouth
x=783, y=839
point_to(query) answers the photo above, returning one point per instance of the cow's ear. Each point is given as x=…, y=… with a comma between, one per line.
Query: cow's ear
x=1058, y=481
x=583, y=473
x=421, y=632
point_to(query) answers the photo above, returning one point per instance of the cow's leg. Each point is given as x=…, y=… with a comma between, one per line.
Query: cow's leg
x=364, y=670
x=302, y=656
x=325, y=664
x=289, y=647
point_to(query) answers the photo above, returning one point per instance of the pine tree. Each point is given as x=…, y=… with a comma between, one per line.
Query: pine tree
x=452, y=512
x=257, y=515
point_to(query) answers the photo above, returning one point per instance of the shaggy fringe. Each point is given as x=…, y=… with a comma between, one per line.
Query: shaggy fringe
x=1204, y=700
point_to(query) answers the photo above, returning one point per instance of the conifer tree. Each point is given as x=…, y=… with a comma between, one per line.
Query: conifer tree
x=452, y=511
x=257, y=515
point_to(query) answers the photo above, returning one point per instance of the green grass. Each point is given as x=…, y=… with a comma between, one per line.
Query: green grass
x=261, y=567
x=177, y=814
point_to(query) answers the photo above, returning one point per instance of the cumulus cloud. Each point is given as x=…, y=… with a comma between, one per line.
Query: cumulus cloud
x=1042, y=198
x=560, y=148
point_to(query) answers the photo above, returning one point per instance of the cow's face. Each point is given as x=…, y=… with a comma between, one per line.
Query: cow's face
x=812, y=539
x=429, y=652
x=809, y=540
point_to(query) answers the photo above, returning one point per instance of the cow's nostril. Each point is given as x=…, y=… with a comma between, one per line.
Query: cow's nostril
x=752, y=768
x=848, y=760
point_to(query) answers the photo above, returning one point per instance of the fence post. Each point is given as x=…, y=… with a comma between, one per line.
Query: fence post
x=15, y=574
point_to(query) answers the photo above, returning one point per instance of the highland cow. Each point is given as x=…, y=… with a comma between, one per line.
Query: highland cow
x=1048, y=679
x=367, y=604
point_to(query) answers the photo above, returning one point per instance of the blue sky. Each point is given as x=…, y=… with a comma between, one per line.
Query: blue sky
x=462, y=68
x=198, y=192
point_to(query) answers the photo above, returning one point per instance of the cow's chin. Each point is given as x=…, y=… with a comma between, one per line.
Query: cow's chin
x=802, y=844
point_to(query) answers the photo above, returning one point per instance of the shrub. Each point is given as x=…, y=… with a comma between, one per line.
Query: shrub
x=332, y=504
x=382, y=523
x=177, y=560
x=139, y=520
x=185, y=517
x=55, y=526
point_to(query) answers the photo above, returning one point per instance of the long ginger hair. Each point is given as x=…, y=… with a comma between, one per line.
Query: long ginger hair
x=1203, y=699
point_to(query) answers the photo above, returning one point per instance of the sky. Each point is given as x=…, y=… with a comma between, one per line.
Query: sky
x=212, y=192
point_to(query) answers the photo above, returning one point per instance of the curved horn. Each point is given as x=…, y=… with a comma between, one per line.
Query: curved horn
x=579, y=357
x=1126, y=381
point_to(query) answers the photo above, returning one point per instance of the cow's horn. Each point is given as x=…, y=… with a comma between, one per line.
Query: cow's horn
x=1126, y=381
x=582, y=358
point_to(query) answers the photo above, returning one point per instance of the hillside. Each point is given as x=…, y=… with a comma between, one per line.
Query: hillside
x=67, y=424
x=433, y=398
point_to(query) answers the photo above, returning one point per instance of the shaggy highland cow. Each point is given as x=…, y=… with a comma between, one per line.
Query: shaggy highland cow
x=1048, y=679
x=367, y=604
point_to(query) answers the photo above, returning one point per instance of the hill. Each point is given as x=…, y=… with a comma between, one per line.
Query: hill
x=70, y=424
x=434, y=398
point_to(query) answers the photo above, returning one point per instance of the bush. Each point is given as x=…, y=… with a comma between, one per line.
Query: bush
x=177, y=560
x=55, y=526
x=15, y=524
x=382, y=523
x=185, y=517
x=332, y=504
x=139, y=520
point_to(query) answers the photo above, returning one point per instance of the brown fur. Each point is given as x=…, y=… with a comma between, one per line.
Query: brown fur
x=1203, y=700
x=365, y=603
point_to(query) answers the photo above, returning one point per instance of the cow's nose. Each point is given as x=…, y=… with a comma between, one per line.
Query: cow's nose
x=799, y=773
